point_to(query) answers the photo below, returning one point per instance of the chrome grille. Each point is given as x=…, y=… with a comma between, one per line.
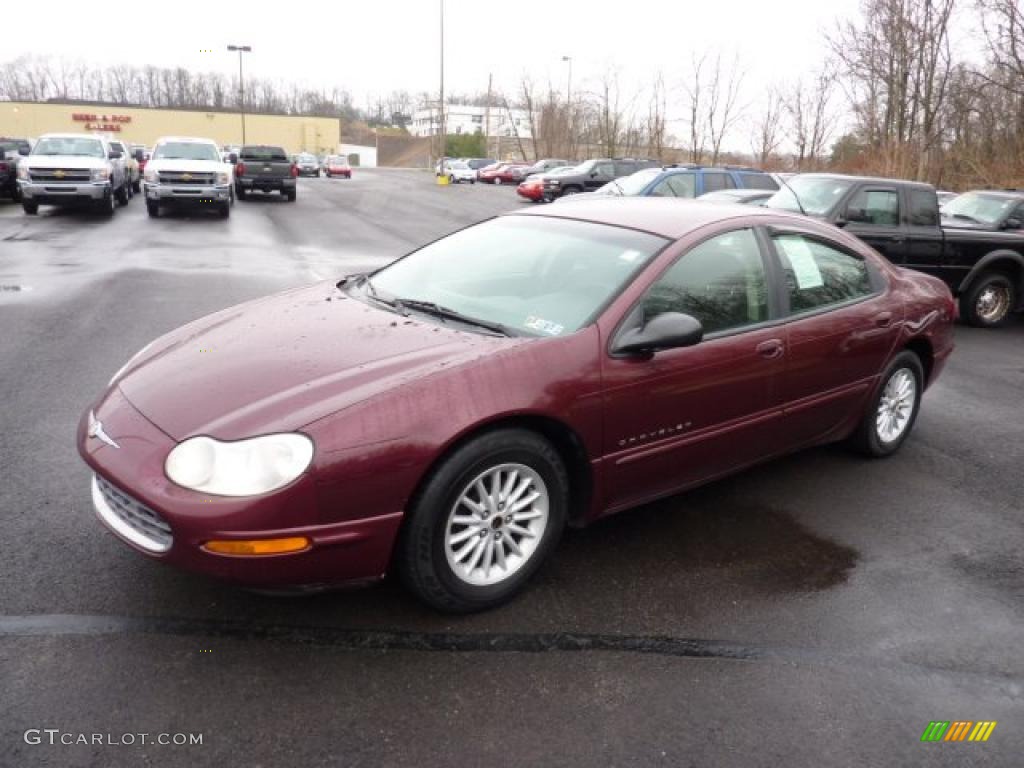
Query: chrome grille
x=57, y=175
x=188, y=179
x=130, y=518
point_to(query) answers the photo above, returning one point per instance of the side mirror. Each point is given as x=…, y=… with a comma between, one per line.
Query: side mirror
x=114, y=154
x=593, y=174
x=668, y=330
x=233, y=158
x=840, y=222
x=1013, y=223
x=23, y=151
x=857, y=214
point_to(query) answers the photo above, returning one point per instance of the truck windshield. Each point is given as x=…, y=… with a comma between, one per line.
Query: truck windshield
x=69, y=146
x=817, y=195
x=186, y=150
x=986, y=209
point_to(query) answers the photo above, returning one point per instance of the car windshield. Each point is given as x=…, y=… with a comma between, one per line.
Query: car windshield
x=817, y=195
x=533, y=275
x=306, y=159
x=74, y=146
x=566, y=171
x=264, y=153
x=986, y=209
x=186, y=150
x=633, y=184
x=338, y=161
x=459, y=166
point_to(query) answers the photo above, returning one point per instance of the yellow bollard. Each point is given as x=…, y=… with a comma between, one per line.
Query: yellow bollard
x=442, y=180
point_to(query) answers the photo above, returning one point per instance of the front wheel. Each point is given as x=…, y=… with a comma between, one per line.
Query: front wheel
x=989, y=300
x=137, y=186
x=892, y=412
x=240, y=193
x=484, y=523
x=497, y=182
x=153, y=209
x=291, y=196
x=30, y=208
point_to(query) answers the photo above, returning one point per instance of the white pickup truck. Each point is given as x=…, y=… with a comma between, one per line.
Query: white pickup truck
x=186, y=171
x=72, y=169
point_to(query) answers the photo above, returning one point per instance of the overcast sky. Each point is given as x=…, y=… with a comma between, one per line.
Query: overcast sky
x=376, y=46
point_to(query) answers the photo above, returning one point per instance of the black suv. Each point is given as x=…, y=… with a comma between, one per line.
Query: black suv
x=10, y=151
x=592, y=174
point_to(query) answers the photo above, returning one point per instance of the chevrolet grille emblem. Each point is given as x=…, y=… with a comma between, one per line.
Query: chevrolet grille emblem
x=96, y=431
x=186, y=177
x=59, y=174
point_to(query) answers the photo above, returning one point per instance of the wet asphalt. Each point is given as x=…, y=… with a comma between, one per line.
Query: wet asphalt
x=817, y=610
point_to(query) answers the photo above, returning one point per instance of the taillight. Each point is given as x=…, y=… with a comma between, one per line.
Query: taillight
x=295, y=170
x=239, y=169
x=3, y=166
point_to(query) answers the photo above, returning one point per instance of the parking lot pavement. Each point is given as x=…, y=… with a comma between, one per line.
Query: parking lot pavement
x=817, y=610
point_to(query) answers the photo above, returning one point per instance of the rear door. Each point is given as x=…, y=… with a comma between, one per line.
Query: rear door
x=924, y=249
x=842, y=329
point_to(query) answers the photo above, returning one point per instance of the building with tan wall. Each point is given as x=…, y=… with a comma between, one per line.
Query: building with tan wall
x=140, y=125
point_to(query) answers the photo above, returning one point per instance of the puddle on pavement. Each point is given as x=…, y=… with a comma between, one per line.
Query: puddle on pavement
x=706, y=533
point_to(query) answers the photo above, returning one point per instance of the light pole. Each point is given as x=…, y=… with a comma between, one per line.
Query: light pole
x=440, y=106
x=241, y=87
x=568, y=101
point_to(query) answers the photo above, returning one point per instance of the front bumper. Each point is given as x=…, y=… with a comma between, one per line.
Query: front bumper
x=340, y=552
x=177, y=194
x=64, y=194
x=532, y=192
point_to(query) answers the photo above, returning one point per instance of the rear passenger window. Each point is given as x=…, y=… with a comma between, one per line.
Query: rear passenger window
x=880, y=207
x=676, y=185
x=716, y=181
x=721, y=282
x=758, y=181
x=924, y=208
x=818, y=275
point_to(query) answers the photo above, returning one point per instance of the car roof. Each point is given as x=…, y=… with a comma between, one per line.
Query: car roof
x=73, y=136
x=869, y=179
x=667, y=217
x=185, y=140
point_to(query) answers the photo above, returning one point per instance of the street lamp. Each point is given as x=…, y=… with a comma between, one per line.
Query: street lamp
x=241, y=88
x=440, y=105
x=568, y=100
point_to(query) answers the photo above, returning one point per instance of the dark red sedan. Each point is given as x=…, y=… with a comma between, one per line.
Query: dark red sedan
x=448, y=415
x=507, y=173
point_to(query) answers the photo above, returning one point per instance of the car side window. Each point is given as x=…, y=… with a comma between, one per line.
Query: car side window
x=716, y=181
x=758, y=181
x=605, y=170
x=683, y=184
x=625, y=169
x=924, y=208
x=818, y=275
x=721, y=282
x=880, y=207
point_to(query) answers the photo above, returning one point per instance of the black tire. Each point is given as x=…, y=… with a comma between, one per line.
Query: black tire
x=153, y=209
x=108, y=205
x=291, y=196
x=989, y=300
x=867, y=438
x=122, y=194
x=137, y=186
x=571, y=191
x=452, y=180
x=240, y=193
x=30, y=208
x=224, y=211
x=472, y=181
x=421, y=557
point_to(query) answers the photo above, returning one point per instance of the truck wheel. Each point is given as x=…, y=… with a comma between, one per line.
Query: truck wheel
x=30, y=208
x=153, y=209
x=291, y=196
x=988, y=301
x=240, y=193
x=108, y=204
x=122, y=194
x=136, y=186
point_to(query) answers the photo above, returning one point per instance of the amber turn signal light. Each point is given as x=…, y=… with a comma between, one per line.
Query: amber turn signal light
x=257, y=546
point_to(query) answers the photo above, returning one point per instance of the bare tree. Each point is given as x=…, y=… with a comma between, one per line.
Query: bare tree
x=656, y=118
x=721, y=103
x=810, y=125
x=767, y=133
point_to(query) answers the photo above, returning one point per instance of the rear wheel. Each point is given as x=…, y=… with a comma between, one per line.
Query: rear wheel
x=108, y=205
x=291, y=196
x=240, y=193
x=30, y=208
x=486, y=520
x=892, y=412
x=153, y=209
x=137, y=186
x=122, y=194
x=989, y=300
x=224, y=210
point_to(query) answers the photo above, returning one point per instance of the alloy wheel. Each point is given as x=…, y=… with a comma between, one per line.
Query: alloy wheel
x=993, y=303
x=896, y=405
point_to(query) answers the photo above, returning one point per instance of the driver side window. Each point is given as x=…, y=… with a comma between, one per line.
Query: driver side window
x=721, y=282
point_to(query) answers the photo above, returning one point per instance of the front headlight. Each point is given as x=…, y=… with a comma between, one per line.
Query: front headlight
x=150, y=176
x=223, y=179
x=100, y=174
x=243, y=468
x=23, y=174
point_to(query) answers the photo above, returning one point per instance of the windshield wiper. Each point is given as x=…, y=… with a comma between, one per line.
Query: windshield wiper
x=431, y=308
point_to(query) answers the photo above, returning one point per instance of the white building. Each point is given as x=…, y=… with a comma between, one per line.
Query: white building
x=462, y=118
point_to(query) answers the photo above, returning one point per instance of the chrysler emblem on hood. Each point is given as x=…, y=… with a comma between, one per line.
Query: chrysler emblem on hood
x=96, y=430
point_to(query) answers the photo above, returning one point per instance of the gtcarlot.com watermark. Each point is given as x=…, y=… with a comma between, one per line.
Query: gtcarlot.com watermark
x=55, y=736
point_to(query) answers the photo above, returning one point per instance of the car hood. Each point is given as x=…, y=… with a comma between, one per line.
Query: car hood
x=188, y=166
x=280, y=363
x=63, y=161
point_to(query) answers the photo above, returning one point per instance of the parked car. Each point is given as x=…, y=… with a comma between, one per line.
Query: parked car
x=739, y=196
x=591, y=175
x=337, y=165
x=141, y=154
x=479, y=163
x=265, y=168
x=505, y=173
x=307, y=164
x=446, y=416
x=11, y=152
x=688, y=181
x=548, y=164
x=532, y=187
x=992, y=210
x=900, y=219
x=188, y=172
x=72, y=170
x=131, y=166
x=459, y=171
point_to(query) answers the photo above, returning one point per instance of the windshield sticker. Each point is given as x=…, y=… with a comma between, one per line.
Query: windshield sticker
x=544, y=326
x=805, y=268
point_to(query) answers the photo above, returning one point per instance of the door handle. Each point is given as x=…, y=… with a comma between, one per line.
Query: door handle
x=883, y=320
x=770, y=349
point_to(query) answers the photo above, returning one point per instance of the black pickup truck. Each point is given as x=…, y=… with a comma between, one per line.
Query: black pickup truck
x=900, y=220
x=262, y=168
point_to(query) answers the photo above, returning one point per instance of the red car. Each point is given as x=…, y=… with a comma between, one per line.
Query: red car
x=448, y=415
x=532, y=188
x=338, y=166
x=506, y=173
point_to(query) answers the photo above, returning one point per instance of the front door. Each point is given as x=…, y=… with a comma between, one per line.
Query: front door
x=873, y=215
x=686, y=415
